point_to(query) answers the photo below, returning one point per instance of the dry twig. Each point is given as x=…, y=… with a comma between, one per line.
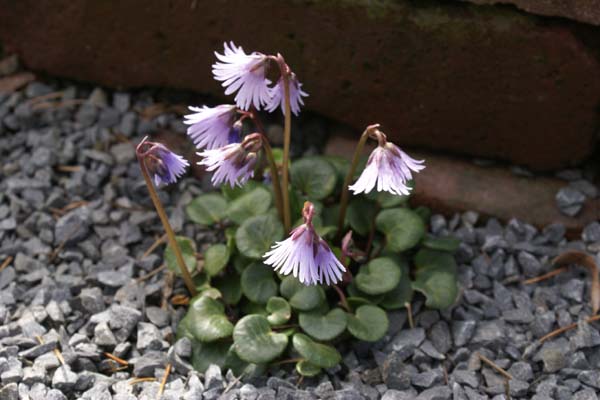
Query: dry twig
x=163, y=382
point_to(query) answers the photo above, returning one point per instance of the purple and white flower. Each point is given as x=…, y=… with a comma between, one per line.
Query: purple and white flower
x=210, y=127
x=245, y=73
x=305, y=255
x=165, y=166
x=278, y=96
x=388, y=168
x=230, y=163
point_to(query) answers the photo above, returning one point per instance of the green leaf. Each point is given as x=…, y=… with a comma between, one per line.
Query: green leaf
x=369, y=323
x=314, y=177
x=353, y=291
x=305, y=368
x=402, y=227
x=379, y=276
x=204, y=354
x=249, y=307
x=230, y=287
x=257, y=234
x=318, y=354
x=448, y=243
x=207, y=320
x=232, y=193
x=207, y=209
x=424, y=213
x=255, y=202
x=279, y=309
x=301, y=297
x=438, y=286
x=427, y=259
x=255, y=342
x=360, y=215
x=435, y=277
x=258, y=283
x=402, y=293
x=188, y=251
x=215, y=259
x=323, y=326
x=355, y=301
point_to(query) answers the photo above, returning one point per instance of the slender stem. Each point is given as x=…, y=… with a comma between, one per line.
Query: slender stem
x=345, y=191
x=343, y=300
x=274, y=176
x=168, y=230
x=287, y=133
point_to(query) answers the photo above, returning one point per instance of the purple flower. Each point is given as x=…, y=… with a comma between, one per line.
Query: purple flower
x=278, y=96
x=244, y=72
x=389, y=168
x=210, y=127
x=165, y=166
x=231, y=163
x=305, y=255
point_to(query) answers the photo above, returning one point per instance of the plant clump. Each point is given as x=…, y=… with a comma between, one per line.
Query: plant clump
x=304, y=266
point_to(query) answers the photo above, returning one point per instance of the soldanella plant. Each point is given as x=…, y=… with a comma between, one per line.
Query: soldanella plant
x=316, y=250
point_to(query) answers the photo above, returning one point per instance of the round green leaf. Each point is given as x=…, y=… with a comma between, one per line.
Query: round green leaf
x=255, y=342
x=448, y=243
x=207, y=209
x=427, y=259
x=355, y=301
x=402, y=227
x=230, y=287
x=257, y=234
x=400, y=295
x=255, y=202
x=207, y=320
x=438, y=286
x=379, y=276
x=369, y=323
x=204, y=354
x=353, y=291
x=305, y=368
x=324, y=326
x=232, y=193
x=279, y=311
x=318, y=354
x=258, y=283
x=301, y=297
x=188, y=251
x=215, y=259
x=360, y=215
x=314, y=177
x=249, y=307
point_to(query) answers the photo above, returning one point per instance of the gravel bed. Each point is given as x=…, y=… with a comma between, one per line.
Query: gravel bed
x=76, y=220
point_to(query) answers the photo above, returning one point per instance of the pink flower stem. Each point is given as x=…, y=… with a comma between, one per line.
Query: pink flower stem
x=343, y=300
x=287, y=132
x=345, y=192
x=274, y=176
x=187, y=278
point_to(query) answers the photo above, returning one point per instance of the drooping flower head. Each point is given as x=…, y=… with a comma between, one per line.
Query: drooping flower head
x=210, y=127
x=388, y=168
x=305, y=254
x=278, y=95
x=233, y=163
x=245, y=73
x=164, y=165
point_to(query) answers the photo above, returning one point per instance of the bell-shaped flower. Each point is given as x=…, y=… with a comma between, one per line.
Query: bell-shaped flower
x=164, y=165
x=389, y=169
x=231, y=163
x=210, y=127
x=244, y=73
x=278, y=95
x=305, y=254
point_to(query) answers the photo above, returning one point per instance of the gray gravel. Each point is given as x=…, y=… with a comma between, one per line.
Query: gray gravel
x=87, y=298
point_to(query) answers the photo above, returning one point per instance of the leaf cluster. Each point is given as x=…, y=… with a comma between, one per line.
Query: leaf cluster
x=247, y=317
